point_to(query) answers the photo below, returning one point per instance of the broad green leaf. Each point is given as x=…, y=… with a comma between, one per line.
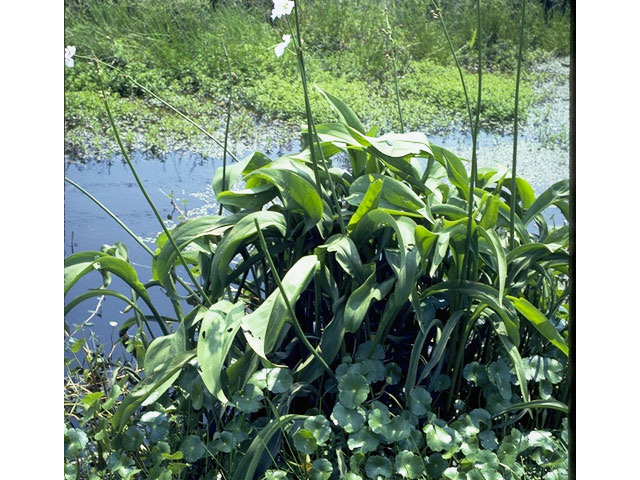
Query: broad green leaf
x=158, y=425
x=438, y=439
x=243, y=233
x=394, y=196
x=409, y=465
x=378, y=467
x=373, y=221
x=419, y=401
x=351, y=420
x=132, y=439
x=163, y=349
x=378, y=417
x=297, y=193
x=304, y=441
x=321, y=469
x=490, y=216
x=540, y=322
x=75, y=440
x=249, y=400
x=233, y=171
x=217, y=332
x=347, y=256
x=275, y=475
x=91, y=398
x=262, y=327
x=193, y=448
x=183, y=235
x=248, y=199
x=364, y=440
x=320, y=427
x=353, y=389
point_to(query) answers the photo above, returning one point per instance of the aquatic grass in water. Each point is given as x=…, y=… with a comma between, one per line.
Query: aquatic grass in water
x=375, y=322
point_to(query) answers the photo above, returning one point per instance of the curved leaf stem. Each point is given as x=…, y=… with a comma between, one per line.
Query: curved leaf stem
x=205, y=298
x=515, y=134
x=294, y=319
x=112, y=215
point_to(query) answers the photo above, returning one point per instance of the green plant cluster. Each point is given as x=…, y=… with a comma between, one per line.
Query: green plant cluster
x=175, y=49
x=376, y=322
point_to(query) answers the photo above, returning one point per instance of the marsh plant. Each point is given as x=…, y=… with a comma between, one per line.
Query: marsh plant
x=366, y=308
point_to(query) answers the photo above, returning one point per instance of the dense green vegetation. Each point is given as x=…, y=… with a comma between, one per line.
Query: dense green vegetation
x=402, y=318
x=175, y=49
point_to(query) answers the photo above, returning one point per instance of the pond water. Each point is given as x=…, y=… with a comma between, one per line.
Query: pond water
x=183, y=179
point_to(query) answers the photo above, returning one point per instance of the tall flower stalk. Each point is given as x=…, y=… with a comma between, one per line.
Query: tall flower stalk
x=282, y=8
x=514, y=185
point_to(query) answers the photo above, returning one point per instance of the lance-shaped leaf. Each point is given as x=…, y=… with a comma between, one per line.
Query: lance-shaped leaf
x=164, y=348
x=262, y=327
x=184, y=234
x=297, y=193
x=366, y=202
x=548, y=197
x=78, y=265
x=219, y=327
x=151, y=388
x=494, y=243
x=484, y=294
x=343, y=110
x=242, y=233
x=540, y=322
x=346, y=255
x=232, y=172
x=359, y=301
x=247, y=467
x=395, y=198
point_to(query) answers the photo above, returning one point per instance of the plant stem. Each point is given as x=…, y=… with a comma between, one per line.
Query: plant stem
x=168, y=105
x=226, y=128
x=515, y=134
x=144, y=191
x=474, y=160
x=112, y=215
x=294, y=319
x=311, y=128
x=393, y=61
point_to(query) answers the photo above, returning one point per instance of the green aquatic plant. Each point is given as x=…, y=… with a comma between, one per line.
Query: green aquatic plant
x=360, y=309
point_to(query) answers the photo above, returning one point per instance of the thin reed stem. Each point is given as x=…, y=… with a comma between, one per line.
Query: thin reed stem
x=205, y=298
x=393, y=61
x=166, y=104
x=112, y=215
x=311, y=128
x=466, y=266
x=514, y=185
x=226, y=128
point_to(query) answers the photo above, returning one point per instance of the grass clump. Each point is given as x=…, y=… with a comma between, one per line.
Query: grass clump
x=174, y=48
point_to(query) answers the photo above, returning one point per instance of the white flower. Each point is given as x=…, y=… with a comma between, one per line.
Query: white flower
x=69, y=52
x=279, y=48
x=113, y=324
x=281, y=8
